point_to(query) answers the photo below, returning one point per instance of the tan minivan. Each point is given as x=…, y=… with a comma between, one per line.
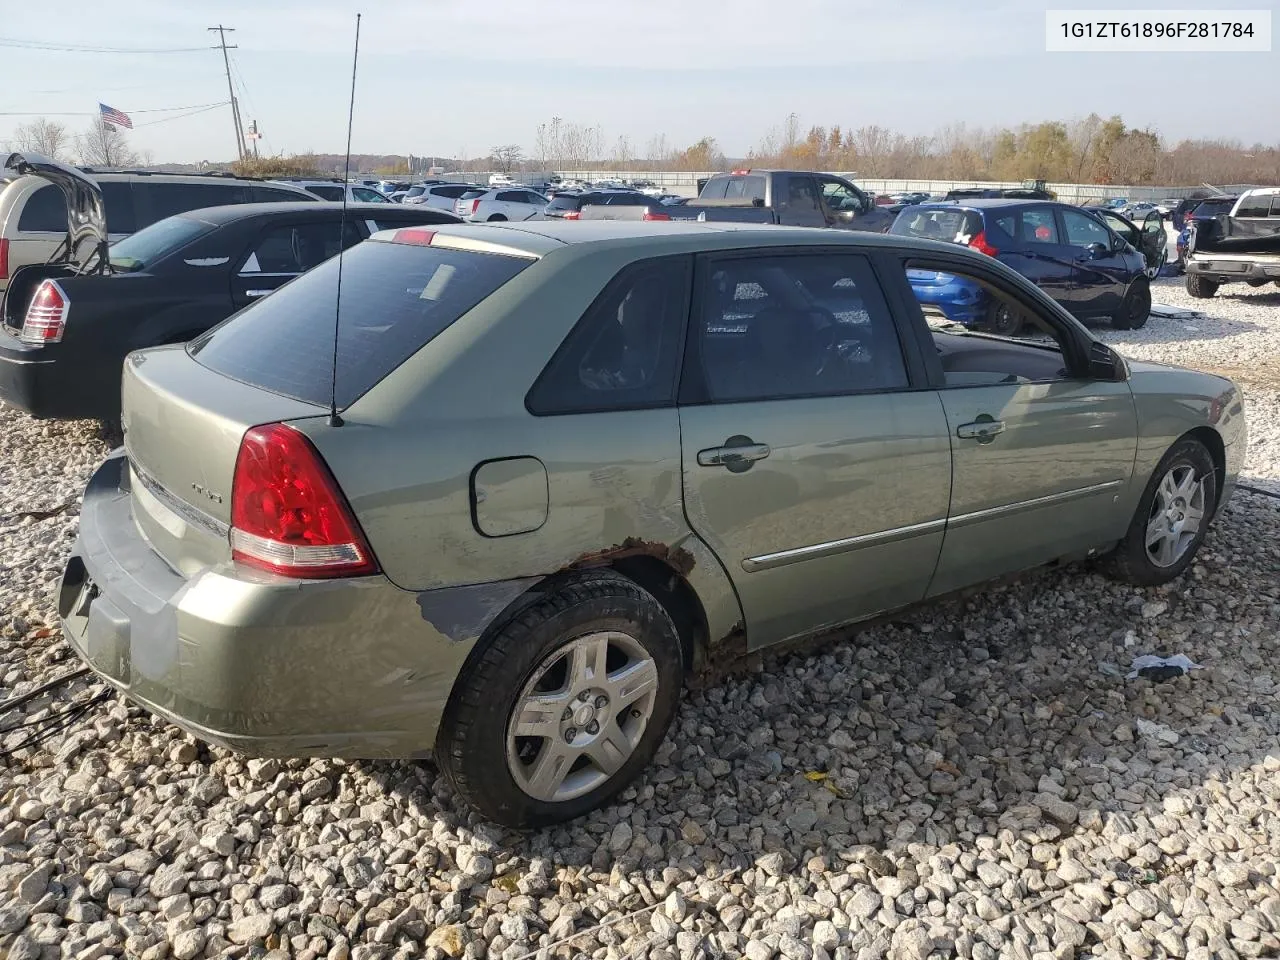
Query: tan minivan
x=33, y=211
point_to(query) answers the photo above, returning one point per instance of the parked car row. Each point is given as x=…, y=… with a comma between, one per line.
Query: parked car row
x=69, y=320
x=778, y=430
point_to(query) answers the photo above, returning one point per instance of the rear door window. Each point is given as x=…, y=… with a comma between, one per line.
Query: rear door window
x=284, y=343
x=1038, y=226
x=117, y=199
x=297, y=248
x=365, y=195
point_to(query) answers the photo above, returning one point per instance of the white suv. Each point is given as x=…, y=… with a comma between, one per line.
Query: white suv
x=501, y=203
x=333, y=190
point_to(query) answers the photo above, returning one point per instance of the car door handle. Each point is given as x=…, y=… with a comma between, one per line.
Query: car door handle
x=983, y=431
x=733, y=456
x=256, y=293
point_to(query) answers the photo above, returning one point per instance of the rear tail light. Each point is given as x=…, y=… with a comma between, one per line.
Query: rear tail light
x=979, y=243
x=288, y=515
x=654, y=215
x=4, y=259
x=46, y=314
x=573, y=215
x=475, y=205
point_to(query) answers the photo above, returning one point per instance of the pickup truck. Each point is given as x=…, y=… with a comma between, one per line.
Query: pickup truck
x=793, y=198
x=1240, y=246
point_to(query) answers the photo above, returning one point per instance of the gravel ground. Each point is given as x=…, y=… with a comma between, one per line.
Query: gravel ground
x=976, y=779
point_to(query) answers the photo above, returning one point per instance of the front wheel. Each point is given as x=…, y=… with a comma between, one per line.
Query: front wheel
x=1136, y=307
x=565, y=704
x=1200, y=287
x=1171, y=520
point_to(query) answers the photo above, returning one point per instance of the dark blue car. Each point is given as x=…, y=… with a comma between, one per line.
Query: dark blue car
x=1067, y=251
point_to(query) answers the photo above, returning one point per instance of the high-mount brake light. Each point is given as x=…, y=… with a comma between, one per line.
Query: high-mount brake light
x=738, y=173
x=414, y=235
x=46, y=316
x=288, y=515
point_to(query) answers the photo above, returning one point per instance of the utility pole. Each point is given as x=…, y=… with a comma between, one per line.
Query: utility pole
x=235, y=108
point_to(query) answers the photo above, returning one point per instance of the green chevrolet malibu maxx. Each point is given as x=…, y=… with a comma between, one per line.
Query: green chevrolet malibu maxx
x=544, y=473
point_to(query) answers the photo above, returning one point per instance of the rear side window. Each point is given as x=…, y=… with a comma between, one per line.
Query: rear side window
x=46, y=210
x=623, y=353
x=715, y=188
x=326, y=193
x=567, y=201
x=271, y=195
x=170, y=198
x=395, y=299
x=1256, y=206
x=452, y=192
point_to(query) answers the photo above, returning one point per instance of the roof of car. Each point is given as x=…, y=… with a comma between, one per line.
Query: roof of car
x=243, y=211
x=985, y=203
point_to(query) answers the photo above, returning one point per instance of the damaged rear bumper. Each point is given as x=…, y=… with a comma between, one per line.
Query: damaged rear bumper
x=262, y=665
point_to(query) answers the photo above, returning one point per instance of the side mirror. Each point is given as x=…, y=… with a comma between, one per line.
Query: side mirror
x=1105, y=363
x=1096, y=251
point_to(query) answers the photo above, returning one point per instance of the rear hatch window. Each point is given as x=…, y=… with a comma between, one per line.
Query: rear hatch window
x=395, y=299
x=566, y=201
x=950, y=224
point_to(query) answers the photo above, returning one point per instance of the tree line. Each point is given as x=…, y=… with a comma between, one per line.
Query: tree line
x=1088, y=150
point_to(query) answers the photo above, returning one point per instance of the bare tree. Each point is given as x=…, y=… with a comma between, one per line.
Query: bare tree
x=43, y=136
x=622, y=153
x=658, y=153
x=104, y=145
x=507, y=157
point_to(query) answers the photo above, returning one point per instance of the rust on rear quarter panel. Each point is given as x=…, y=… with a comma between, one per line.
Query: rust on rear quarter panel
x=677, y=558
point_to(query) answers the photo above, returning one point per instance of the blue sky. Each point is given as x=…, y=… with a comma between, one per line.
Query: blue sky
x=444, y=76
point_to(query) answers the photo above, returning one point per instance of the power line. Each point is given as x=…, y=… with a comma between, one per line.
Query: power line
x=94, y=113
x=84, y=48
x=152, y=123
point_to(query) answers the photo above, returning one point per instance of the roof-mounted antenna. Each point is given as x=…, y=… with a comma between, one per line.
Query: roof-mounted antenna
x=334, y=419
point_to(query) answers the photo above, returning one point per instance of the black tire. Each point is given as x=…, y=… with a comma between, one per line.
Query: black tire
x=1136, y=306
x=1130, y=561
x=1003, y=319
x=496, y=217
x=471, y=746
x=1257, y=283
x=1200, y=287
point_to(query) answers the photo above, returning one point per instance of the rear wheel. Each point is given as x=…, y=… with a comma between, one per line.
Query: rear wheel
x=1136, y=307
x=1200, y=287
x=1003, y=319
x=496, y=216
x=1257, y=283
x=565, y=705
x=1171, y=520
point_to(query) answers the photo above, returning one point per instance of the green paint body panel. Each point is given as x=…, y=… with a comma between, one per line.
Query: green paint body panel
x=865, y=503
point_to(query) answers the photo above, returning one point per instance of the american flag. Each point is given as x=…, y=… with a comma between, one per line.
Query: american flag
x=112, y=115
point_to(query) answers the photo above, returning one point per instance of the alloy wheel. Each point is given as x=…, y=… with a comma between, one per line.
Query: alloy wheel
x=1177, y=512
x=581, y=715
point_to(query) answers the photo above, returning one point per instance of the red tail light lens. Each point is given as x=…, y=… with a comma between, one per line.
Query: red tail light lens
x=980, y=244
x=475, y=205
x=46, y=314
x=653, y=215
x=573, y=215
x=288, y=515
x=4, y=259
